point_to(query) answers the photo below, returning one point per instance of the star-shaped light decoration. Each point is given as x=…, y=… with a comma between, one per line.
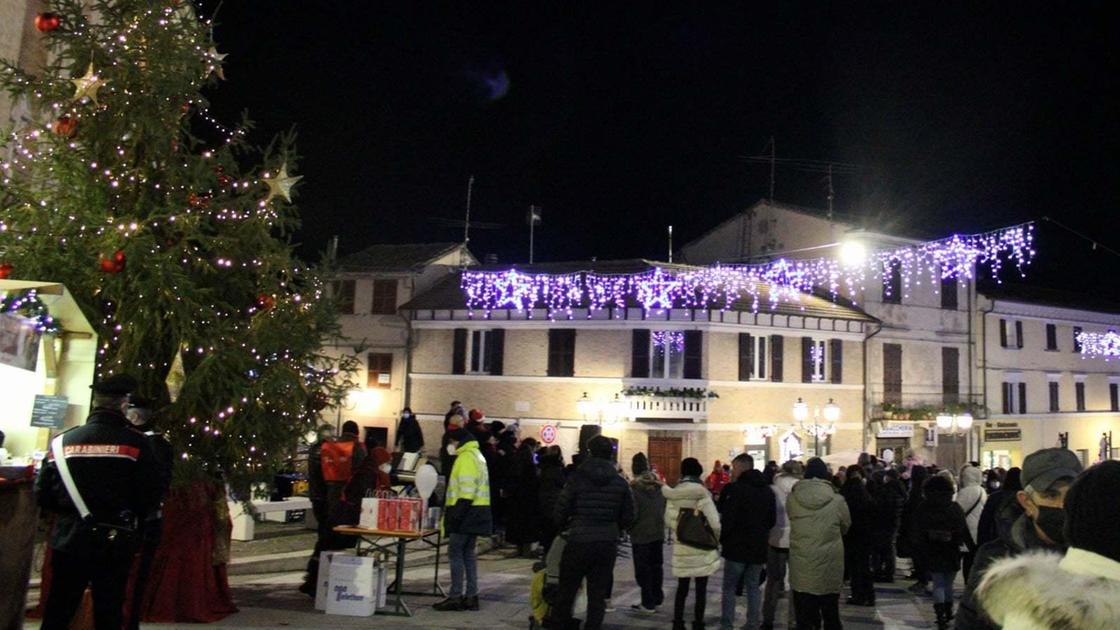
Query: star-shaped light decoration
x=216, y=59
x=87, y=86
x=280, y=184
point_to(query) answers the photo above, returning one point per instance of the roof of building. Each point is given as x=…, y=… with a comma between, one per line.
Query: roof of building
x=1046, y=296
x=447, y=294
x=403, y=257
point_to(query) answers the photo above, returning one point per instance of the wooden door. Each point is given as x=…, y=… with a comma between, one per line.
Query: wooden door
x=665, y=454
x=951, y=451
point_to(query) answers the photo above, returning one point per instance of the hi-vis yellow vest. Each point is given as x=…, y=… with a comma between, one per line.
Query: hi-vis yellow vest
x=469, y=477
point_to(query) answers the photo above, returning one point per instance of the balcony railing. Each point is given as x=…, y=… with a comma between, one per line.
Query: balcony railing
x=666, y=407
x=923, y=406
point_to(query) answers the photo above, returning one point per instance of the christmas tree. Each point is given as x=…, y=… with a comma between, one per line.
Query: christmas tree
x=170, y=229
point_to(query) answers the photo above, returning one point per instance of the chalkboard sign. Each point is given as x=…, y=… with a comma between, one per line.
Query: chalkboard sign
x=49, y=411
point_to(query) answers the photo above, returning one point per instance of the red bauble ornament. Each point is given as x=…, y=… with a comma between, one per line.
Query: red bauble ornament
x=114, y=264
x=265, y=301
x=47, y=22
x=198, y=201
x=6, y=270
x=224, y=180
x=107, y=265
x=118, y=256
x=65, y=126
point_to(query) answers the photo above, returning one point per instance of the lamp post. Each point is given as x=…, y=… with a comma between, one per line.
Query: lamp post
x=830, y=412
x=606, y=413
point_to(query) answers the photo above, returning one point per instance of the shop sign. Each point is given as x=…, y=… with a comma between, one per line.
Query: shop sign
x=1003, y=435
x=548, y=433
x=49, y=411
x=897, y=431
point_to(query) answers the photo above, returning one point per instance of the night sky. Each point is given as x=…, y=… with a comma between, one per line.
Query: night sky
x=620, y=119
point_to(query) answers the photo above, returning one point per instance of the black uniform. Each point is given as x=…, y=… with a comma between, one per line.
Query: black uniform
x=116, y=473
x=151, y=529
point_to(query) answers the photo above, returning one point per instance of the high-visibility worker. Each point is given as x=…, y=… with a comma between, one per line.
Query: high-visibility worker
x=466, y=516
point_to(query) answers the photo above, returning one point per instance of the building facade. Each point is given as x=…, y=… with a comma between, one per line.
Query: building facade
x=672, y=383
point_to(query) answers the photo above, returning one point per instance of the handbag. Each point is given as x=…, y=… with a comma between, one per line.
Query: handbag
x=693, y=530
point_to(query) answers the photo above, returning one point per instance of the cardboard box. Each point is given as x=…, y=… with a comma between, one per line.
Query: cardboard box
x=353, y=586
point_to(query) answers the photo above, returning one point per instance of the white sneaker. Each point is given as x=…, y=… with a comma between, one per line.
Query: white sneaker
x=609, y=606
x=642, y=610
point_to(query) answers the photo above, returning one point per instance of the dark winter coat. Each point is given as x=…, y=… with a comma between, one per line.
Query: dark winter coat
x=595, y=505
x=747, y=513
x=410, y=438
x=550, y=483
x=918, y=476
x=115, y=471
x=889, y=497
x=649, y=503
x=862, y=511
x=938, y=532
x=990, y=521
x=1014, y=540
x=522, y=515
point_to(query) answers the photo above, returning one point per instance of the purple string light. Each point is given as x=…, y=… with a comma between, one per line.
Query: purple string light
x=1105, y=345
x=720, y=286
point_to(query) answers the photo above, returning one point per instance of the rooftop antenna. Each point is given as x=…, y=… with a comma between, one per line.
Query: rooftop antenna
x=670, y=243
x=830, y=193
x=467, y=221
x=773, y=159
x=534, y=218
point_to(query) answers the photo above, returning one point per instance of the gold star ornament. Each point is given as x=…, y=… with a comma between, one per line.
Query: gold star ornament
x=280, y=184
x=87, y=86
x=216, y=59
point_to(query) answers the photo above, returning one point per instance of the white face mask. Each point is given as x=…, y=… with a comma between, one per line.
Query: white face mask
x=385, y=468
x=451, y=449
x=406, y=415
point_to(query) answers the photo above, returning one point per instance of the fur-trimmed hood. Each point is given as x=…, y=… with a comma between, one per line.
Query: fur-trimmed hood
x=1044, y=591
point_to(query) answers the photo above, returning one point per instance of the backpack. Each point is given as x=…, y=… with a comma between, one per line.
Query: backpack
x=336, y=459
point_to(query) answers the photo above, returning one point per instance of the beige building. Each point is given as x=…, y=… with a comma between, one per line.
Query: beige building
x=22, y=44
x=372, y=284
x=671, y=383
x=1038, y=385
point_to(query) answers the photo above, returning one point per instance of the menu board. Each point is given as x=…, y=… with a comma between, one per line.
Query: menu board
x=49, y=411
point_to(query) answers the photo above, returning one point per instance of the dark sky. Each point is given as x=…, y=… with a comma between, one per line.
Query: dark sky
x=619, y=119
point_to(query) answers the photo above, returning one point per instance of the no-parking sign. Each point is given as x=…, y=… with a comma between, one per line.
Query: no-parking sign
x=548, y=433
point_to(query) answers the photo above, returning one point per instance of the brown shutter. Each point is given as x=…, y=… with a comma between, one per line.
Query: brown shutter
x=806, y=359
x=1003, y=333
x=639, y=354
x=459, y=352
x=1022, y=398
x=496, y=350
x=746, y=356
x=836, y=357
x=892, y=373
x=1018, y=334
x=561, y=352
x=950, y=375
x=776, y=356
x=693, y=353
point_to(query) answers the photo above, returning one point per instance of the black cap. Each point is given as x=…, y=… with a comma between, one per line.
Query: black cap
x=1042, y=468
x=116, y=385
x=462, y=435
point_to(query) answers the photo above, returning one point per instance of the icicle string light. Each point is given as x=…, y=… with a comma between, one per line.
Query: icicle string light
x=1103, y=345
x=721, y=286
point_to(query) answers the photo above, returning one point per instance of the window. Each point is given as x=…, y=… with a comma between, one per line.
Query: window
x=752, y=357
x=561, y=352
x=1054, y=405
x=478, y=351
x=950, y=375
x=1051, y=337
x=1010, y=333
x=949, y=293
x=892, y=373
x=1079, y=394
x=1014, y=397
x=1076, y=343
x=477, y=357
x=892, y=283
x=379, y=373
x=343, y=293
x=1008, y=397
x=666, y=354
x=384, y=297
x=671, y=354
x=1114, y=396
x=814, y=359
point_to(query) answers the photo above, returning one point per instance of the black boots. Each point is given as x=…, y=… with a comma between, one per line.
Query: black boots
x=457, y=603
x=470, y=603
x=944, y=614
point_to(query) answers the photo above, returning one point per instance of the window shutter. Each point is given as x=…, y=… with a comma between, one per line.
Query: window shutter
x=1051, y=337
x=776, y=356
x=950, y=375
x=1022, y=398
x=496, y=351
x=639, y=354
x=1003, y=333
x=1053, y=396
x=761, y=358
x=1007, y=398
x=1076, y=343
x=693, y=353
x=1018, y=334
x=746, y=356
x=836, y=357
x=561, y=352
x=806, y=359
x=949, y=293
x=459, y=352
x=892, y=373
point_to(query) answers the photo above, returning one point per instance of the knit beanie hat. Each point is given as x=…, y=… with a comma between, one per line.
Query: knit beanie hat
x=815, y=468
x=1093, y=510
x=690, y=467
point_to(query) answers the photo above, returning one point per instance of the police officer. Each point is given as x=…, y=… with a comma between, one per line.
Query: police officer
x=113, y=473
x=141, y=414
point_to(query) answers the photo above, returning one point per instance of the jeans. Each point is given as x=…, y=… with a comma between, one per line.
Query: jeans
x=461, y=555
x=943, y=586
x=105, y=568
x=813, y=609
x=649, y=562
x=682, y=595
x=732, y=572
x=591, y=560
x=777, y=560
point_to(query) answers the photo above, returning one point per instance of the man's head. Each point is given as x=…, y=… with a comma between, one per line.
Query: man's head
x=639, y=464
x=718, y=466
x=459, y=437
x=1046, y=477
x=690, y=467
x=112, y=393
x=455, y=404
x=140, y=411
x=1093, y=510
x=600, y=447
x=350, y=428
x=793, y=468
x=815, y=468
x=741, y=464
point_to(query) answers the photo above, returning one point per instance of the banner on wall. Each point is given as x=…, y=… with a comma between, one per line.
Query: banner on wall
x=19, y=342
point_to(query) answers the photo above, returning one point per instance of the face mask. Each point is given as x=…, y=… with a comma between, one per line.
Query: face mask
x=385, y=468
x=451, y=450
x=406, y=415
x=1052, y=522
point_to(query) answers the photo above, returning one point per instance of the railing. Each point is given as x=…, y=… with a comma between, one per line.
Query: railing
x=666, y=407
x=923, y=405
